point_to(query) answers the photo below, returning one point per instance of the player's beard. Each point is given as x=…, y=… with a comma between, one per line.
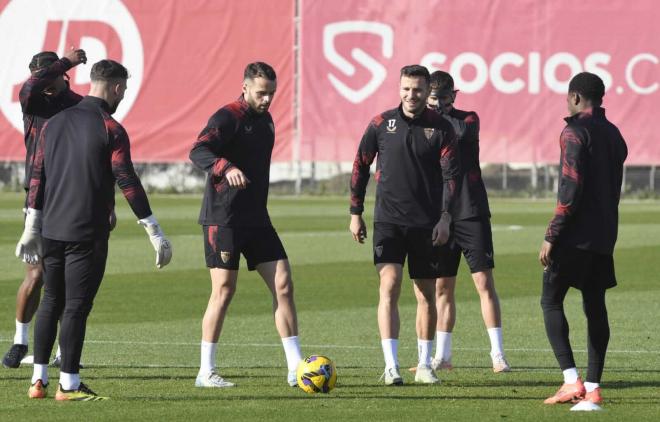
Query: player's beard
x=113, y=107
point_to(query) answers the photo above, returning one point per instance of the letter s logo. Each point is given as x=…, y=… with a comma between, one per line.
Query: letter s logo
x=377, y=70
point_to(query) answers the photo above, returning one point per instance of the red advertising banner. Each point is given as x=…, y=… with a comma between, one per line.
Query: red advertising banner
x=186, y=60
x=511, y=61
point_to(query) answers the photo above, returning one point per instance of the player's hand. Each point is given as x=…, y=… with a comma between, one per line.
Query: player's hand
x=544, y=255
x=160, y=243
x=112, y=220
x=29, y=245
x=358, y=228
x=236, y=179
x=440, y=234
x=76, y=56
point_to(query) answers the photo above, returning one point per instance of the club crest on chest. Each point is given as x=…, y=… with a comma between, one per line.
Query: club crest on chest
x=428, y=132
x=391, y=125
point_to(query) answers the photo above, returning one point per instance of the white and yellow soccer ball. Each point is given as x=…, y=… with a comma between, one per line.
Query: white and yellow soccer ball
x=316, y=374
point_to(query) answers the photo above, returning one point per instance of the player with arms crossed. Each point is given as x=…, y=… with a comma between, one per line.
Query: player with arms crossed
x=471, y=233
x=42, y=96
x=81, y=153
x=579, y=241
x=416, y=174
x=234, y=149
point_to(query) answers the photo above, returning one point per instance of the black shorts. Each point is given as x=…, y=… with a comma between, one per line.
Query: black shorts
x=224, y=245
x=474, y=239
x=580, y=269
x=393, y=242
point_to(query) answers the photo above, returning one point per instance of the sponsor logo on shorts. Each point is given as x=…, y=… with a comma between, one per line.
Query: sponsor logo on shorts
x=225, y=256
x=428, y=132
x=489, y=255
x=435, y=266
x=379, y=250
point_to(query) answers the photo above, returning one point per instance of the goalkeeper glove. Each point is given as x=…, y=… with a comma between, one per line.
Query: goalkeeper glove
x=158, y=240
x=29, y=245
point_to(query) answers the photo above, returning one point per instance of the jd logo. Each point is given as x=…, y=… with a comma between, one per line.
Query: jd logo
x=378, y=72
x=103, y=28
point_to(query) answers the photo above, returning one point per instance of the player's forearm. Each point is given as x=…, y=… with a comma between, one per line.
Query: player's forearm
x=131, y=187
x=137, y=199
x=448, y=195
x=359, y=183
x=203, y=157
x=40, y=81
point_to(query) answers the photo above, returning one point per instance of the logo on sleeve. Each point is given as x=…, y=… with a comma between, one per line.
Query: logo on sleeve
x=391, y=125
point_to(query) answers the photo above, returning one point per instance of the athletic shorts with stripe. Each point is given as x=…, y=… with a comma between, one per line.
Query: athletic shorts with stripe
x=393, y=242
x=224, y=245
x=472, y=238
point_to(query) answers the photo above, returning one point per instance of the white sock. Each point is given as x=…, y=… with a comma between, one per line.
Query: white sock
x=40, y=372
x=292, y=352
x=208, y=354
x=21, y=336
x=424, y=349
x=443, y=348
x=495, y=335
x=69, y=381
x=591, y=386
x=58, y=354
x=570, y=375
x=390, y=352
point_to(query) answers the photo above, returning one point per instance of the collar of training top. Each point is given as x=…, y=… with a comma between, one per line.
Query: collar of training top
x=419, y=117
x=597, y=112
x=100, y=102
x=245, y=107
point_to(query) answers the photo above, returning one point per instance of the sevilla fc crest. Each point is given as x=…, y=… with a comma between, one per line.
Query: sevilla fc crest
x=379, y=250
x=428, y=132
x=225, y=256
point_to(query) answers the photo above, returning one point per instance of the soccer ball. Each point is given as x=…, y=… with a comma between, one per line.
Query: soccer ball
x=316, y=374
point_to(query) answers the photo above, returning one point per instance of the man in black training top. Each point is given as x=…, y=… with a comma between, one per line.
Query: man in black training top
x=416, y=174
x=579, y=241
x=471, y=233
x=234, y=149
x=42, y=96
x=81, y=153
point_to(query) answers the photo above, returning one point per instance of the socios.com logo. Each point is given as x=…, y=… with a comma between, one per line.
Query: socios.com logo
x=373, y=65
x=103, y=28
x=507, y=72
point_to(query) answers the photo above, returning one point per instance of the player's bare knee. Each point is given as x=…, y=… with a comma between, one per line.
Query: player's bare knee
x=284, y=287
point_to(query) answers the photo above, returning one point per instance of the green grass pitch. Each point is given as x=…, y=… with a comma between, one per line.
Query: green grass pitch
x=142, y=347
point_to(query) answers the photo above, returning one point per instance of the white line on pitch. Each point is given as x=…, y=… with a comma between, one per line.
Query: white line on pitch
x=336, y=346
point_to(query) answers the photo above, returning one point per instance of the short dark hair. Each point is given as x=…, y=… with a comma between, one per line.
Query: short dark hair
x=41, y=60
x=441, y=81
x=259, y=70
x=107, y=69
x=415, y=70
x=588, y=85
